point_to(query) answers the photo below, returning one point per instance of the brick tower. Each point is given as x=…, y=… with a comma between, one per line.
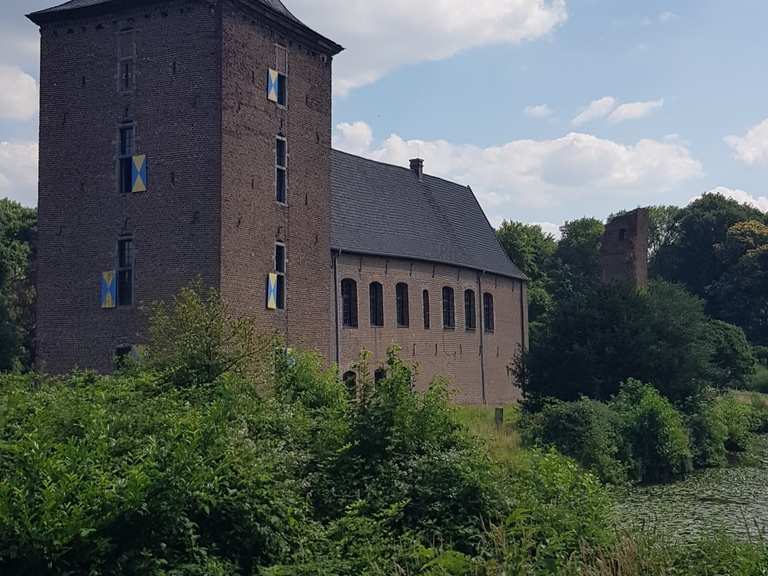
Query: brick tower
x=180, y=139
x=624, y=249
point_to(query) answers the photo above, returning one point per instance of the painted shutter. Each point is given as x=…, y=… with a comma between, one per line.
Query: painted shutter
x=139, y=173
x=272, y=82
x=108, y=290
x=272, y=292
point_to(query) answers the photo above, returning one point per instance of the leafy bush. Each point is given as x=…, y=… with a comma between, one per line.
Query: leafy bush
x=655, y=433
x=733, y=363
x=557, y=509
x=603, y=336
x=588, y=431
x=738, y=418
x=759, y=381
x=708, y=432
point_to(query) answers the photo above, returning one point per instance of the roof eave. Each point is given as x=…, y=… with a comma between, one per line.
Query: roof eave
x=516, y=276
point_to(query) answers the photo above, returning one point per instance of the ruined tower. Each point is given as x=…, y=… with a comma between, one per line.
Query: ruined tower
x=624, y=249
x=180, y=139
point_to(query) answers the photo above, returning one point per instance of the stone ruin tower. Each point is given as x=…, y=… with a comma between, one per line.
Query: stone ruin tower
x=624, y=249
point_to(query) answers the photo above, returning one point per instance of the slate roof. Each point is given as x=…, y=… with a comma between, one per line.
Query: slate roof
x=276, y=6
x=385, y=210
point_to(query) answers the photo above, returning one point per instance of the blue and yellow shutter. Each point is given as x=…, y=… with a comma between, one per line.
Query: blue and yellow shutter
x=139, y=173
x=108, y=290
x=272, y=292
x=272, y=82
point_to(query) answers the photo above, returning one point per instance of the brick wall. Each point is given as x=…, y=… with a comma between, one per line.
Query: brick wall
x=252, y=221
x=175, y=225
x=456, y=353
x=624, y=249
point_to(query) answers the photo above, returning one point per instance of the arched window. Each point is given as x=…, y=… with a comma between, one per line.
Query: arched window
x=379, y=375
x=425, y=305
x=489, y=321
x=377, y=304
x=470, y=310
x=403, y=308
x=350, y=382
x=349, y=302
x=449, y=309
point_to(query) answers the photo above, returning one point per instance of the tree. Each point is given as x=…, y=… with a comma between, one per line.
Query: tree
x=578, y=256
x=606, y=335
x=17, y=294
x=692, y=253
x=532, y=250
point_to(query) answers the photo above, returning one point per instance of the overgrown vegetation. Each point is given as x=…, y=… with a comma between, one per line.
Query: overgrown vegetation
x=271, y=468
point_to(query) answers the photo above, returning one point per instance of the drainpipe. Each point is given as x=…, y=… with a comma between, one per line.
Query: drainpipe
x=482, y=335
x=336, y=305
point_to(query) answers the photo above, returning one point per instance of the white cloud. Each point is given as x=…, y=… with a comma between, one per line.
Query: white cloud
x=759, y=202
x=635, y=110
x=550, y=228
x=18, y=172
x=752, y=148
x=355, y=138
x=538, y=111
x=541, y=174
x=596, y=109
x=667, y=17
x=19, y=97
x=382, y=35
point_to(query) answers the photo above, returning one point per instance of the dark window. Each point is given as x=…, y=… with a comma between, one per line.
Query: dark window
x=127, y=149
x=282, y=90
x=470, y=310
x=350, y=382
x=425, y=305
x=623, y=234
x=489, y=320
x=449, y=309
x=349, y=302
x=125, y=272
x=379, y=375
x=377, y=304
x=403, y=308
x=281, y=170
x=126, y=57
x=280, y=270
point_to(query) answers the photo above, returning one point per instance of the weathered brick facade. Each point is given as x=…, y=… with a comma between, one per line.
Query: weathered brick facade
x=201, y=115
x=624, y=249
x=477, y=362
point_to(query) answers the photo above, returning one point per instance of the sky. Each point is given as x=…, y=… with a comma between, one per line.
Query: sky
x=549, y=109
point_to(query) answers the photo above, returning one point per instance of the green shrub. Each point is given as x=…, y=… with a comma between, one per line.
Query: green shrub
x=557, y=509
x=655, y=433
x=738, y=418
x=588, y=431
x=708, y=432
x=732, y=363
x=759, y=381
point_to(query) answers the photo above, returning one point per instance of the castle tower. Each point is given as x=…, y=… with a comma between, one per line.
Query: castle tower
x=624, y=249
x=180, y=139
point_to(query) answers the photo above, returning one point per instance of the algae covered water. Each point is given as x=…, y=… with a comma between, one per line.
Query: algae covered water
x=732, y=501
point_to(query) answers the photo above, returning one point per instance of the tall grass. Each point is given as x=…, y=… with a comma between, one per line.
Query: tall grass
x=503, y=442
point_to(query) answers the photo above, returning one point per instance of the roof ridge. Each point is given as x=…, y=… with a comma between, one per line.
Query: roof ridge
x=398, y=166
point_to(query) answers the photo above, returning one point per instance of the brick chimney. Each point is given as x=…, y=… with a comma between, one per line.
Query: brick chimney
x=417, y=166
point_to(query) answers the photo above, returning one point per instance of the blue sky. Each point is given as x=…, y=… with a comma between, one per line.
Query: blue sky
x=549, y=109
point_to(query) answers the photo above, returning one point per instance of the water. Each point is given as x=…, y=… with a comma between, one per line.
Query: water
x=732, y=501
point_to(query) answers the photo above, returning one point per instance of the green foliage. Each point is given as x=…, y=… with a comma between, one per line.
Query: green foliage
x=759, y=382
x=578, y=257
x=608, y=334
x=708, y=431
x=533, y=251
x=732, y=363
x=17, y=293
x=557, y=509
x=692, y=254
x=738, y=417
x=655, y=433
x=586, y=430
x=195, y=340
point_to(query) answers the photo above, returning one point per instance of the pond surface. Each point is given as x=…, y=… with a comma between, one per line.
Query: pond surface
x=731, y=501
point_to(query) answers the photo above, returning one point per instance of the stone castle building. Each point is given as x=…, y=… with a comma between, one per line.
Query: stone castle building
x=184, y=139
x=624, y=248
